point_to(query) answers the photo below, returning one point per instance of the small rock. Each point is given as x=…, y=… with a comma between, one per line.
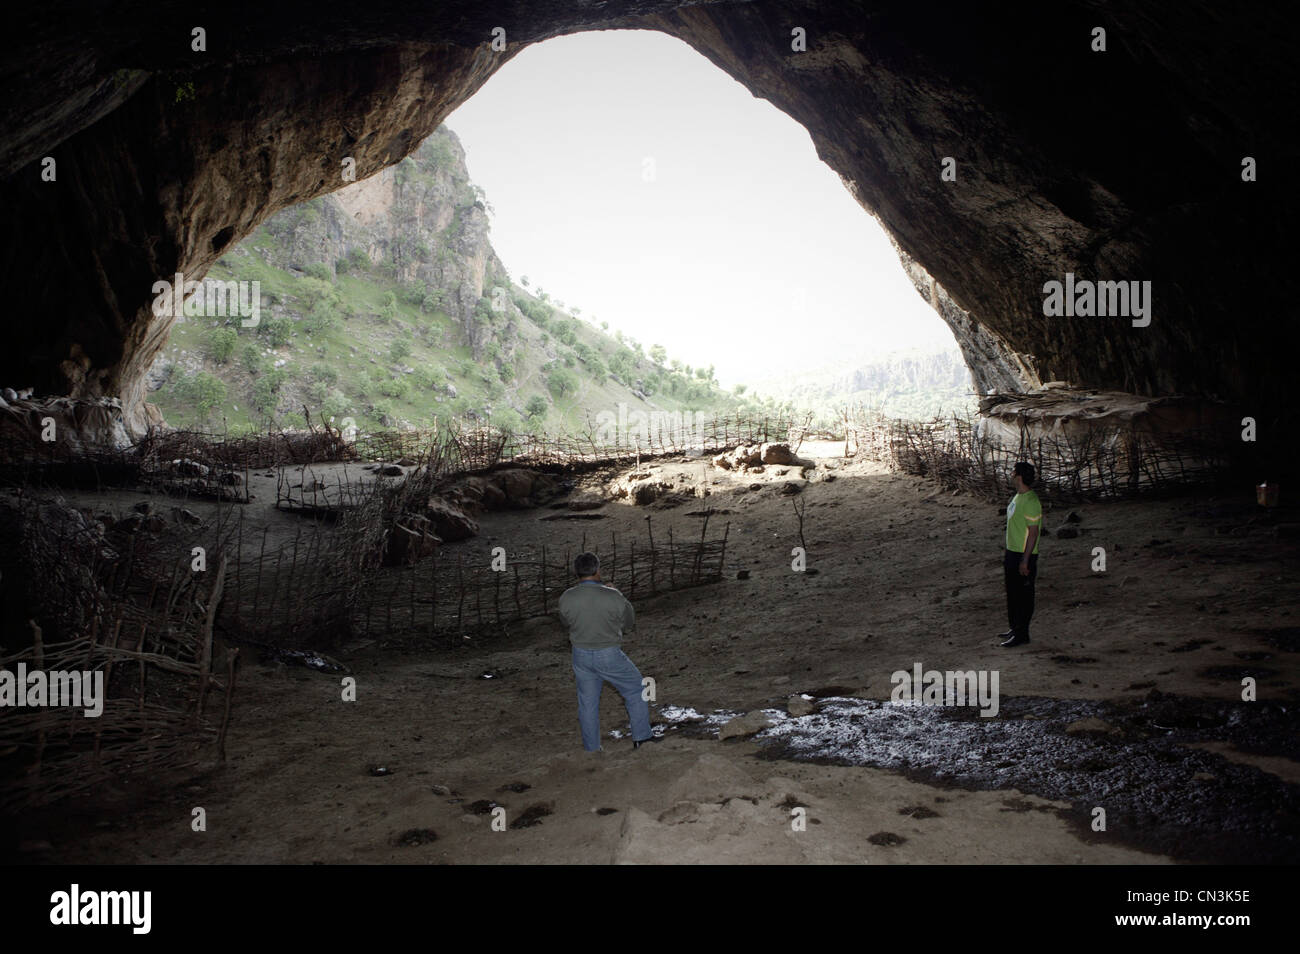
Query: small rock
x=182, y=515
x=1067, y=533
x=742, y=574
x=798, y=705
x=391, y=470
x=745, y=725
x=1091, y=726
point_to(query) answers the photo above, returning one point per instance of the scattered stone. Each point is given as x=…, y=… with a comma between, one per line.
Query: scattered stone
x=1066, y=533
x=442, y=790
x=797, y=705
x=790, y=488
x=415, y=837
x=742, y=574
x=886, y=839
x=1091, y=726
x=918, y=811
x=391, y=470
x=531, y=816
x=745, y=725
x=606, y=811
x=378, y=771
x=1073, y=517
x=182, y=515
x=143, y=507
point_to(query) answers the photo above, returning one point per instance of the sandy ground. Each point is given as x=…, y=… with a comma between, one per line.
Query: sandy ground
x=906, y=574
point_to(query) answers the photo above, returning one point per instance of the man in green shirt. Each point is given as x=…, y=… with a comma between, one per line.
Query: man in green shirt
x=1020, y=561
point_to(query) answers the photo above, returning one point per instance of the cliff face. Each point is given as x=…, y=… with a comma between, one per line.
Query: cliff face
x=1120, y=165
x=423, y=217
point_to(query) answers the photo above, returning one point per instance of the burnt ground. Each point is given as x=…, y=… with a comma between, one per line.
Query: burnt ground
x=1198, y=592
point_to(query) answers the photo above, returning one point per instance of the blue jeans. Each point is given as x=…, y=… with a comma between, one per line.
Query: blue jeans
x=593, y=668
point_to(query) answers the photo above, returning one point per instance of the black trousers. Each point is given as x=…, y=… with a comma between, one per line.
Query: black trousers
x=1020, y=591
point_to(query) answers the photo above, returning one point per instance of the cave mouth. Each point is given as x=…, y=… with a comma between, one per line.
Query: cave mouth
x=156, y=165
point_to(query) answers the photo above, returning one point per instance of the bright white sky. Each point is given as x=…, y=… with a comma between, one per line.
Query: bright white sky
x=745, y=251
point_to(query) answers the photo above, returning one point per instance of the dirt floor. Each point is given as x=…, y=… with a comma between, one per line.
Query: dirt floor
x=1197, y=593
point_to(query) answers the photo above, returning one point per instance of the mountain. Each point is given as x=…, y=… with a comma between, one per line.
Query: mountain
x=385, y=303
x=916, y=383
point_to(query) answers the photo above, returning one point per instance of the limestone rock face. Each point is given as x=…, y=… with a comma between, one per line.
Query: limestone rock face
x=1120, y=165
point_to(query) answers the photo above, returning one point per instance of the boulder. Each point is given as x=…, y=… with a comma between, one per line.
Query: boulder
x=797, y=705
x=780, y=453
x=450, y=522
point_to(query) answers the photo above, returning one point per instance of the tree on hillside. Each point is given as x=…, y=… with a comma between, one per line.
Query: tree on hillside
x=523, y=280
x=658, y=354
x=561, y=382
x=536, y=406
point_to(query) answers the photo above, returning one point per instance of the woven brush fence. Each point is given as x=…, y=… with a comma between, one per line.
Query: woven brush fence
x=129, y=607
x=448, y=597
x=1095, y=463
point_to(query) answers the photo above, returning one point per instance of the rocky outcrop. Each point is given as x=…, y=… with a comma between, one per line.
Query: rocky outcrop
x=1116, y=165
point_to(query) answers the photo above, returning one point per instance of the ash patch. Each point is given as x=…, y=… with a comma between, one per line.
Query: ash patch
x=1158, y=794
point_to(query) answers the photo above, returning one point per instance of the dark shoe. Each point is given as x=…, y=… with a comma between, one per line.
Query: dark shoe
x=1015, y=640
x=1007, y=635
x=653, y=738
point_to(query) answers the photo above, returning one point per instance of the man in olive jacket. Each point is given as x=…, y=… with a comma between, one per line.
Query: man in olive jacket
x=597, y=616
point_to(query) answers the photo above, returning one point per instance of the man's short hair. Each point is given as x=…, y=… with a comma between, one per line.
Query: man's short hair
x=1026, y=472
x=586, y=564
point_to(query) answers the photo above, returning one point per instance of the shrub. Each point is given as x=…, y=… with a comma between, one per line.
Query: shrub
x=335, y=404
x=252, y=358
x=399, y=350
x=536, y=406
x=221, y=344
x=323, y=372
x=321, y=321
x=413, y=293
x=204, y=391
x=320, y=271
x=276, y=330
x=394, y=388
x=315, y=292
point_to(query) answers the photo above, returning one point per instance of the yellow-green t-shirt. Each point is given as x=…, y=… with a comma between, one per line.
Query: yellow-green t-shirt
x=1023, y=512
